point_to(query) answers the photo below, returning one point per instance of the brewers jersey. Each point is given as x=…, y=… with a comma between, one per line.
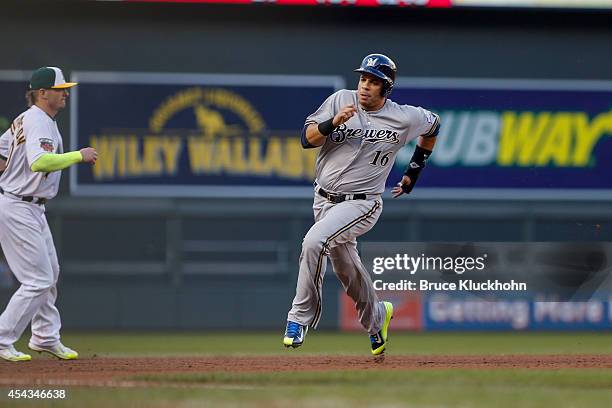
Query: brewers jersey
x=31, y=135
x=358, y=156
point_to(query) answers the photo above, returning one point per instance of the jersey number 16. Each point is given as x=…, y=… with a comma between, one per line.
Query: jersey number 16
x=383, y=160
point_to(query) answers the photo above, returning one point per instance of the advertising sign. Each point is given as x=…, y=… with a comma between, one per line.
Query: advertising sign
x=514, y=138
x=195, y=135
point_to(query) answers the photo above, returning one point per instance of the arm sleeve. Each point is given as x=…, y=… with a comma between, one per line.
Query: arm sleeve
x=49, y=162
x=326, y=110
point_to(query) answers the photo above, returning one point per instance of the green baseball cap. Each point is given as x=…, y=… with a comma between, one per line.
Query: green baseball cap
x=49, y=78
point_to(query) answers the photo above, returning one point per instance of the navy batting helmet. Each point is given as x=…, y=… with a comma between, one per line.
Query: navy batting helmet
x=381, y=67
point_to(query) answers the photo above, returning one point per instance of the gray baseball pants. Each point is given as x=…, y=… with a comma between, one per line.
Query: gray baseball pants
x=334, y=234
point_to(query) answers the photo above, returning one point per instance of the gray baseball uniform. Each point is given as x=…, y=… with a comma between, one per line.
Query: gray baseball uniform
x=355, y=159
x=24, y=233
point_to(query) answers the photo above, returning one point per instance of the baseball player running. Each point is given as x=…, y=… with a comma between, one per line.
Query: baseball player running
x=33, y=157
x=360, y=133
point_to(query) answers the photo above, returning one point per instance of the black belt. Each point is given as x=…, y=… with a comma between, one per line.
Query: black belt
x=29, y=199
x=338, y=198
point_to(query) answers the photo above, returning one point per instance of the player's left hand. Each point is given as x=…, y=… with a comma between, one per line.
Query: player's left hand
x=90, y=155
x=398, y=190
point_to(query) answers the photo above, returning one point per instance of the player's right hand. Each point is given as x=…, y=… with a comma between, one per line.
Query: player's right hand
x=345, y=114
x=90, y=155
x=404, y=186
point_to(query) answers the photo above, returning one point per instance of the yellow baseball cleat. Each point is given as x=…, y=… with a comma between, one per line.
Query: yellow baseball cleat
x=10, y=354
x=379, y=340
x=59, y=350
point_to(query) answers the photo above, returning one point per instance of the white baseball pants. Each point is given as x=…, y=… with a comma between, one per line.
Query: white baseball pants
x=30, y=253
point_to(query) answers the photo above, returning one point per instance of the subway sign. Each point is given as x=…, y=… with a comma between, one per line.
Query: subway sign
x=515, y=138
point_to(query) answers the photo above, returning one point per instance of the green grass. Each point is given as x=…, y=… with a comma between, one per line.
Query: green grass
x=415, y=388
x=425, y=388
x=204, y=343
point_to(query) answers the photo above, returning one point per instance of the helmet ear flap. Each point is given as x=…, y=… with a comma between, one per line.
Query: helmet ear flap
x=386, y=89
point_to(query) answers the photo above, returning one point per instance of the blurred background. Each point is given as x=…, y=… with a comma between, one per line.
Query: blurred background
x=193, y=217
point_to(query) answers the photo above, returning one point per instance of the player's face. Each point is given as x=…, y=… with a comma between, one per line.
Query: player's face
x=57, y=98
x=53, y=99
x=369, y=92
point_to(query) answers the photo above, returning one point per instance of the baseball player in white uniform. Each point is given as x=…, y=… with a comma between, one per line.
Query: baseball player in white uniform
x=3, y=150
x=360, y=133
x=33, y=157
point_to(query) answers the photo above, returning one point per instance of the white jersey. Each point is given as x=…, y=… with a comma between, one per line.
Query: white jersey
x=31, y=135
x=4, y=144
x=358, y=156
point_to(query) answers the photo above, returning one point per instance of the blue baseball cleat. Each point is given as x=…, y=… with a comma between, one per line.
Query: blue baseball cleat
x=294, y=334
x=379, y=340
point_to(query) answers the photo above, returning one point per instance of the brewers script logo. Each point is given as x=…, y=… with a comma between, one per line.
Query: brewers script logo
x=343, y=132
x=212, y=132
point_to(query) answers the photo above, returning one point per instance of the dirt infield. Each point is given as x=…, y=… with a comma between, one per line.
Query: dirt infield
x=102, y=371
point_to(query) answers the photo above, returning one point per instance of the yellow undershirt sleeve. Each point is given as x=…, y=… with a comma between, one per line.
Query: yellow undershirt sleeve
x=49, y=162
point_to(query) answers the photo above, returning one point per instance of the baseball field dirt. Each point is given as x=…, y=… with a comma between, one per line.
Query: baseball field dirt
x=332, y=369
x=109, y=371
